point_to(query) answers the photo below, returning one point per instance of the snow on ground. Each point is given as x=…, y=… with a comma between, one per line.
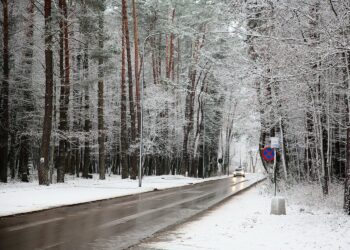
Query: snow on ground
x=19, y=197
x=244, y=222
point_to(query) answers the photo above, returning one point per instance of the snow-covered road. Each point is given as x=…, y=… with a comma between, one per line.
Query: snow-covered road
x=116, y=223
x=22, y=197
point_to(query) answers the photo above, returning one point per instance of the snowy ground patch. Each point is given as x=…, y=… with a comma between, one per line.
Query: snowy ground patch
x=19, y=197
x=244, y=222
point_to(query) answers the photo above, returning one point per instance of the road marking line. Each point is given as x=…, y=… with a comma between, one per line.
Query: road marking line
x=131, y=217
x=122, y=220
x=134, y=216
x=33, y=224
x=52, y=245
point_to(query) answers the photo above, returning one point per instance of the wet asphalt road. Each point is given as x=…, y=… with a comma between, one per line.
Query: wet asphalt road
x=116, y=223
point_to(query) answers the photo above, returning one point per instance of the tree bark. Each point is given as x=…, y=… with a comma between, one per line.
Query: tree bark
x=123, y=124
x=347, y=175
x=189, y=109
x=77, y=110
x=136, y=61
x=65, y=90
x=27, y=64
x=47, y=126
x=171, y=49
x=4, y=105
x=133, y=172
x=87, y=123
x=101, y=132
x=66, y=82
x=347, y=167
x=62, y=121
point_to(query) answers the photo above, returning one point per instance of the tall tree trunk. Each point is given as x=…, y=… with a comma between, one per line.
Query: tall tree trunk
x=189, y=109
x=4, y=105
x=347, y=167
x=87, y=123
x=101, y=132
x=283, y=149
x=12, y=154
x=159, y=57
x=154, y=56
x=347, y=174
x=63, y=108
x=47, y=126
x=27, y=72
x=66, y=81
x=321, y=133
x=133, y=163
x=171, y=49
x=123, y=123
x=76, y=113
x=65, y=91
x=136, y=61
x=187, y=129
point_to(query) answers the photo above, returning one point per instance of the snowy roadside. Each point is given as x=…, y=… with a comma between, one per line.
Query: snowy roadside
x=244, y=222
x=21, y=197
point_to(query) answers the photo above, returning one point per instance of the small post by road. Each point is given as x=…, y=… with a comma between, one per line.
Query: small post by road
x=275, y=145
x=203, y=166
x=274, y=170
x=278, y=204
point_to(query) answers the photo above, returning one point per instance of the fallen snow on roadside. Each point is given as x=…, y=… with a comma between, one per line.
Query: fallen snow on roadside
x=245, y=222
x=19, y=197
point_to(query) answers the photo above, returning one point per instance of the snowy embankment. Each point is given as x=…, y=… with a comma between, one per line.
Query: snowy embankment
x=19, y=197
x=245, y=222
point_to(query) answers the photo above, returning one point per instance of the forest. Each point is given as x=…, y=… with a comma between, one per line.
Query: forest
x=89, y=86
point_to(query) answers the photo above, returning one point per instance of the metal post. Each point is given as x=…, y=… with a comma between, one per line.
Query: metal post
x=141, y=111
x=203, y=147
x=141, y=114
x=274, y=170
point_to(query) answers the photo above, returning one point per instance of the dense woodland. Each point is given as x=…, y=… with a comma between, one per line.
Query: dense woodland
x=83, y=81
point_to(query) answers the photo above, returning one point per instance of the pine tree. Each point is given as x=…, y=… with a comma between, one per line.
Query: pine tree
x=4, y=102
x=101, y=137
x=47, y=126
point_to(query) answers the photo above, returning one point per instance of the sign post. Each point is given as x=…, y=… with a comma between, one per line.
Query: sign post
x=268, y=154
x=274, y=171
x=275, y=145
x=275, y=142
x=278, y=204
